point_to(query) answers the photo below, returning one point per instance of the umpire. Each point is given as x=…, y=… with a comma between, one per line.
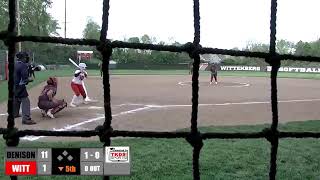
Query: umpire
x=21, y=94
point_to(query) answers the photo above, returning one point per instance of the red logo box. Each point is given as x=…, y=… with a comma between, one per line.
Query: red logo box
x=21, y=168
x=117, y=154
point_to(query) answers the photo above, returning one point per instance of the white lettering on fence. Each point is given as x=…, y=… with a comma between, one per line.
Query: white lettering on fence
x=269, y=68
x=240, y=68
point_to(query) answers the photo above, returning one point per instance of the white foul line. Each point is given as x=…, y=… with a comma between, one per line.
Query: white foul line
x=231, y=103
x=68, y=127
x=36, y=108
x=6, y=114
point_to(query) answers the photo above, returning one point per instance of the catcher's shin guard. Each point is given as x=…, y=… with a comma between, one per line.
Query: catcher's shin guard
x=59, y=108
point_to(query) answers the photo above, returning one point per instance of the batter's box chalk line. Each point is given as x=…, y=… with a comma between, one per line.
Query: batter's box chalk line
x=32, y=109
x=81, y=107
x=77, y=125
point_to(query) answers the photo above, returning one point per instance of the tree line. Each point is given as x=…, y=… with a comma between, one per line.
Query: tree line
x=282, y=47
x=35, y=20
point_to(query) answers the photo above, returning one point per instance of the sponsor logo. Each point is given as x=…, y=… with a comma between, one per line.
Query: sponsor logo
x=117, y=154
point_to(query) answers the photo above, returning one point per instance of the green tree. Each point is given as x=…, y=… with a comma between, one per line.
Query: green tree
x=146, y=39
x=4, y=15
x=299, y=48
x=285, y=47
x=162, y=43
x=303, y=48
x=133, y=54
x=92, y=30
x=35, y=20
x=257, y=47
x=176, y=44
x=315, y=48
x=134, y=40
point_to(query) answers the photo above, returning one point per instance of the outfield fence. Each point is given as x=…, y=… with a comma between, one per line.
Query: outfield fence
x=12, y=135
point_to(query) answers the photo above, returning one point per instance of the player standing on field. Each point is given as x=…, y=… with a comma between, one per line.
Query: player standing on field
x=100, y=67
x=191, y=68
x=214, y=73
x=77, y=86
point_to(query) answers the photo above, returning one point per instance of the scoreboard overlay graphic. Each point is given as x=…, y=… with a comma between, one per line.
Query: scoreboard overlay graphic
x=110, y=161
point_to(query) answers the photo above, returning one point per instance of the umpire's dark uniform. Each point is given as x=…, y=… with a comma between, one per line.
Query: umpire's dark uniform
x=21, y=94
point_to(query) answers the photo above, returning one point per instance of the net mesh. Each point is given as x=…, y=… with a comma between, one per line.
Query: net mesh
x=12, y=135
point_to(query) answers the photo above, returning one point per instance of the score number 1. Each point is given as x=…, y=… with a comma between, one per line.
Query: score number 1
x=96, y=155
x=44, y=167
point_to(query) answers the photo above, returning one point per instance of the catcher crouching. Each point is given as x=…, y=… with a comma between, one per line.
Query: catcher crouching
x=47, y=102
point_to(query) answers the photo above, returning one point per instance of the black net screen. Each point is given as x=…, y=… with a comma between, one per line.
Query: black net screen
x=194, y=49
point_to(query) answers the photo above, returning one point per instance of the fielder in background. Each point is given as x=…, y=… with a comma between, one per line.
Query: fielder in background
x=77, y=86
x=214, y=73
x=190, y=68
x=47, y=102
x=100, y=67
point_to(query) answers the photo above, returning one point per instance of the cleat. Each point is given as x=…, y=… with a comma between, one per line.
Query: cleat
x=28, y=122
x=86, y=102
x=74, y=102
x=73, y=105
x=50, y=114
x=43, y=113
x=17, y=116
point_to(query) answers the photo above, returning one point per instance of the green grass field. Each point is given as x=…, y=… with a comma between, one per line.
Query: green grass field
x=43, y=75
x=220, y=159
